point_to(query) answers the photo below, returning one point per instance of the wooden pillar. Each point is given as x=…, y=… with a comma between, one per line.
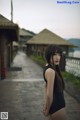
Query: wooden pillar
x=0, y=67
x=0, y=59
x=62, y=63
x=11, y=53
x=3, y=57
x=8, y=58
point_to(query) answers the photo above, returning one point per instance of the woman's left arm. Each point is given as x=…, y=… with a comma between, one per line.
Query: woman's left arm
x=49, y=75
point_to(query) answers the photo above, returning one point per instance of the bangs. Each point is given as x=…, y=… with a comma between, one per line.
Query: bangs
x=58, y=50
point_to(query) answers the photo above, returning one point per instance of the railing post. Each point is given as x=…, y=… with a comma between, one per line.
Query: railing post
x=62, y=63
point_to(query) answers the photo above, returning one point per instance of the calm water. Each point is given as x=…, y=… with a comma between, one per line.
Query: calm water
x=75, y=54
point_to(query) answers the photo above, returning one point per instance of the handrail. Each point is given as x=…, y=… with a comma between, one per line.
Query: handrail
x=73, y=65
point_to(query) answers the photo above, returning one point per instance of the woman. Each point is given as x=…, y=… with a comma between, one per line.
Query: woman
x=54, y=96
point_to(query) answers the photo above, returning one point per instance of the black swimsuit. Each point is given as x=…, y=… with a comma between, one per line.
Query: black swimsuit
x=58, y=97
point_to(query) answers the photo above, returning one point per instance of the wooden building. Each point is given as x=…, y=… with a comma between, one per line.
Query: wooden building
x=24, y=36
x=40, y=42
x=8, y=34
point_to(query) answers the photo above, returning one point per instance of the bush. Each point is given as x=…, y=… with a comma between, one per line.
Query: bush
x=72, y=79
x=38, y=59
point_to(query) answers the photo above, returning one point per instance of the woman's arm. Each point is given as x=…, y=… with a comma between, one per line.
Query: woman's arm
x=50, y=76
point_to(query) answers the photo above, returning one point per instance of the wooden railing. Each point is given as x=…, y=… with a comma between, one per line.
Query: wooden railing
x=73, y=65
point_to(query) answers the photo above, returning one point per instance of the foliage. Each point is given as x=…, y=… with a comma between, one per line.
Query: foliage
x=38, y=59
x=72, y=79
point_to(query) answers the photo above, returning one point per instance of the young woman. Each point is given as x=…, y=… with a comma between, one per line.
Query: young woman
x=54, y=107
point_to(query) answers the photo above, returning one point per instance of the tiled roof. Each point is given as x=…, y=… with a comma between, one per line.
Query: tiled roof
x=4, y=22
x=48, y=37
x=15, y=43
x=23, y=32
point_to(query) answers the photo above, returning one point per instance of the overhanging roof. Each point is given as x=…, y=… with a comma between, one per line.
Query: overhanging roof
x=9, y=28
x=23, y=32
x=47, y=37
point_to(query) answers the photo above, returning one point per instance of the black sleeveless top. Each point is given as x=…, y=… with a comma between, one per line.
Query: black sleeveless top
x=58, y=97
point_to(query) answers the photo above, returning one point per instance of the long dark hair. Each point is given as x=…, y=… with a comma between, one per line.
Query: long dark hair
x=50, y=51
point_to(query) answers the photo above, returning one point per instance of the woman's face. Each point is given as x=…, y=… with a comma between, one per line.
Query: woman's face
x=56, y=59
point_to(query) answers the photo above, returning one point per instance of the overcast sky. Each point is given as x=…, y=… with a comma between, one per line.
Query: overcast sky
x=35, y=15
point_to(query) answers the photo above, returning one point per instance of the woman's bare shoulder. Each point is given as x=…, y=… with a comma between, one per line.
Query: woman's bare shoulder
x=50, y=73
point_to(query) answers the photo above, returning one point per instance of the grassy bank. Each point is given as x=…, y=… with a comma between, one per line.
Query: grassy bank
x=72, y=79
x=39, y=59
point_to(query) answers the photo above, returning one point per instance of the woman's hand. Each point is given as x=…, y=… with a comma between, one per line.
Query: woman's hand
x=45, y=112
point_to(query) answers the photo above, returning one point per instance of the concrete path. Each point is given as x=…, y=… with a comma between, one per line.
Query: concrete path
x=21, y=94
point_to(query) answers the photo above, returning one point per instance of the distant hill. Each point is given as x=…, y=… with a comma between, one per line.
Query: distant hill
x=76, y=42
